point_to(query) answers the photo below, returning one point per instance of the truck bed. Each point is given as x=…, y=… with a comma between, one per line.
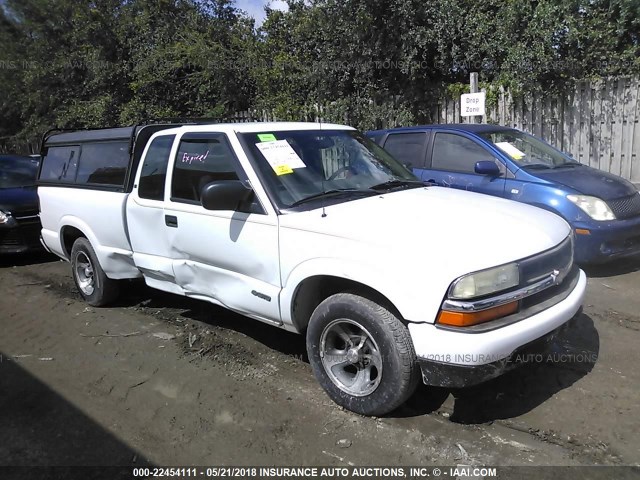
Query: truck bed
x=98, y=215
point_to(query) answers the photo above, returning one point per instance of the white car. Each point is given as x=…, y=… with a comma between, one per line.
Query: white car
x=314, y=229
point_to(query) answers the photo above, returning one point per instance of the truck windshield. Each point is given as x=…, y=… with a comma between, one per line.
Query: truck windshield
x=528, y=151
x=305, y=165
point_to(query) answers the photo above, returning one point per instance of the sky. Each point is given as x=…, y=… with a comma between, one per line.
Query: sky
x=255, y=8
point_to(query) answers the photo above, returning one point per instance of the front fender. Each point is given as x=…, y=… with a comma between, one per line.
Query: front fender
x=551, y=199
x=399, y=291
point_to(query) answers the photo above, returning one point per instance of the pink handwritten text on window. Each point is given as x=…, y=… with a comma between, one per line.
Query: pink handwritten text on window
x=190, y=158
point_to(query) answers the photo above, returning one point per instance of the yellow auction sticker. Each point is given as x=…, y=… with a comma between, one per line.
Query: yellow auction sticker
x=510, y=150
x=282, y=158
x=283, y=170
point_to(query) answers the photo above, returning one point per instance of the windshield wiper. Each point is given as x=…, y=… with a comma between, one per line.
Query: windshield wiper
x=333, y=193
x=538, y=165
x=568, y=164
x=391, y=184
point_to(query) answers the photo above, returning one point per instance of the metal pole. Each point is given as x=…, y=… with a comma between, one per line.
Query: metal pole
x=473, y=83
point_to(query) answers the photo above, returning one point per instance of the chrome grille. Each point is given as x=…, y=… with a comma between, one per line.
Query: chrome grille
x=626, y=207
x=27, y=220
x=559, y=258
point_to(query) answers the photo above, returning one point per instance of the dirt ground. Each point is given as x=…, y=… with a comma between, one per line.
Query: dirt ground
x=164, y=380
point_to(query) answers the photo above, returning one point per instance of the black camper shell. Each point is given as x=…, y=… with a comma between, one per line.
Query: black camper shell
x=99, y=159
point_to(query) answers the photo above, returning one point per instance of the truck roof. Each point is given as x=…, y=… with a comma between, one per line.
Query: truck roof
x=82, y=136
x=138, y=136
x=248, y=127
x=125, y=133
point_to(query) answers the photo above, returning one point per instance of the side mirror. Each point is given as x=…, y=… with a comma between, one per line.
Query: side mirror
x=487, y=167
x=224, y=195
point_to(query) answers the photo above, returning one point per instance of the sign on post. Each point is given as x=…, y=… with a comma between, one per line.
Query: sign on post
x=472, y=104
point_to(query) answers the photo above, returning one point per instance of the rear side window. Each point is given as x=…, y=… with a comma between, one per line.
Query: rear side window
x=60, y=164
x=103, y=163
x=376, y=138
x=408, y=148
x=202, y=158
x=154, y=168
x=457, y=153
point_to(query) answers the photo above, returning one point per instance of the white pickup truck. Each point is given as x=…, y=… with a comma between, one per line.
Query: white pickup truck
x=314, y=229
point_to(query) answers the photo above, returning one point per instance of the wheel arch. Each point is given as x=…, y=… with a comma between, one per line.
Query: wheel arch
x=313, y=290
x=68, y=236
x=71, y=228
x=116, y=263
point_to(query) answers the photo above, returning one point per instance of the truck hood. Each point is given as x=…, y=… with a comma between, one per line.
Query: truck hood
x=590, y=181
x=441, y=225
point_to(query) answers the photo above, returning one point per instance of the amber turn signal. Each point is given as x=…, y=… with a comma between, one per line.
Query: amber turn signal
x=466, y=319
x=583, y=231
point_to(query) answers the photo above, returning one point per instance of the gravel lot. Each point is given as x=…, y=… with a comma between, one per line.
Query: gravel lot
x=165, y=380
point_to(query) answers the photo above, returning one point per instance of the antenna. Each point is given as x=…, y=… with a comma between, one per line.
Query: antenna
x=324, y=210
x=324, y=190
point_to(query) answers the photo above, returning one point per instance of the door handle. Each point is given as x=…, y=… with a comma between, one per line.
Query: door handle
x=171, y=221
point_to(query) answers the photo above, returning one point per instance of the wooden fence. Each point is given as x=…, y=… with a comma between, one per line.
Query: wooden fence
x=597, y=123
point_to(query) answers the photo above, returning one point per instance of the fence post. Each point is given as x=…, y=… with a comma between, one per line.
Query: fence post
x=473, y=84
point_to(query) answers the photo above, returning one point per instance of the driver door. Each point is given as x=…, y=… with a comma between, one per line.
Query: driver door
x=227, y=257
x=453, y=157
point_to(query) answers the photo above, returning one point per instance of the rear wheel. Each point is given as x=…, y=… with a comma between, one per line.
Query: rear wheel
x=361, y=354
x=94, y=286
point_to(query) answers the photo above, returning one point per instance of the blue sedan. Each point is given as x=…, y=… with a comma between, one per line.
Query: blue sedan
x=603, y=209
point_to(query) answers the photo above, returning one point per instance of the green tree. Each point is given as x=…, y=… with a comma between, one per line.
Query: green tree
x=108, y=62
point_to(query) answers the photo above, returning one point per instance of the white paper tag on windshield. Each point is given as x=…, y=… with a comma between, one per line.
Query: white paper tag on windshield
x=282, y=158
x=510, y=150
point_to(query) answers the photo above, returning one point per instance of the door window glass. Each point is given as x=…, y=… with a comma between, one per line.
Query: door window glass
x=154, y=169
x=408, y=148
x=202, y=159
x=457, y=153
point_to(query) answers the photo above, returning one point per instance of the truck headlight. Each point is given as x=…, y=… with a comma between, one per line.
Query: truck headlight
x=485, y=282
x=596, y=208
x=4, y=217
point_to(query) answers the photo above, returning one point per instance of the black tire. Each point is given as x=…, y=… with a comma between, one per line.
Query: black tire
x=94, y=286
x=360, y=317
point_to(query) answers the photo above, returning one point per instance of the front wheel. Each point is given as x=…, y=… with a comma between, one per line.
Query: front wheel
x=361, y=354
x=93, y=284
